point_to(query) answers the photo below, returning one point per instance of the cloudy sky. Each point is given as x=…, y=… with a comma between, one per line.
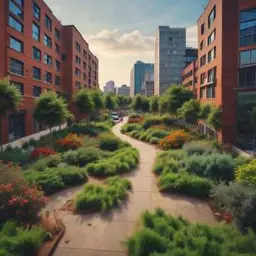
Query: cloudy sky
x=120, y=32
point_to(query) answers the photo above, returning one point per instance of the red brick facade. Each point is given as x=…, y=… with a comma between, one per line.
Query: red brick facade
x=219, y=62
x=16, y=19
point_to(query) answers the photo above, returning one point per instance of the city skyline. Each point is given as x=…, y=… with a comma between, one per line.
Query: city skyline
x=128, y=31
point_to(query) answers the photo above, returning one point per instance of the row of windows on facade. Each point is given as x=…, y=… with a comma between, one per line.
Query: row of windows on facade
x=247, y=77
x=211, y=19
x=85, y=55
x=208, y=92
x=211, y=56
x=16, y=9
x=210, y=39
x=208, y=77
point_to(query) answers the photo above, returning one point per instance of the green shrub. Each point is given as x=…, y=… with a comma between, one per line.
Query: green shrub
x=18, y=241
x=154, y=140
x=168, y=120
x=247, y=172
x=84, y=128
x=110, y=142
x=158, y=133
x=240, y=200
x=133, y=134
x=52, y=180
x=124, y=160
x=150, y=121
x=16, y=155
x=83, y=156
x=163, y=235
x=135, y=115
x=184, y=183
x=198, y=148
x=166, y=165
x=49, y=161
x=216, y=166
x=130, y=127
x=101, y=198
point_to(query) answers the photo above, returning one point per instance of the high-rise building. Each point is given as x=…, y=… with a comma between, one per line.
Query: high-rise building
x=110, y=87
x=227, y=67
x=137, y=77
x=170, y=51
x=191, y=55
x=123, y=90
x=37, y=54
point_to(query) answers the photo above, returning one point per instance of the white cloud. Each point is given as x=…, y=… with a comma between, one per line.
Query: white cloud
x=109, y=42
x=192, y=36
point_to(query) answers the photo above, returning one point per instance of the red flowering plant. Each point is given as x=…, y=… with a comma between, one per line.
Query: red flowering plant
x=18, y=200
x=135, y=120
x=175, y=140
x=39, y=152
x=72, y=141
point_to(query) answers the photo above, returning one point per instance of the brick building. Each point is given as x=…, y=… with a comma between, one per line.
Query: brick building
x=227, y=64
x=38, y=53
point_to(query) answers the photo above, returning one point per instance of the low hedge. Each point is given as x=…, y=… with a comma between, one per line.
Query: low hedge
x=182, y=182
x=101, y=198
x=17, y=240
x=130, y=127
x=124, y=160
x=161, y=235
x=52, y=180
x=49, y=161
x=110, y=142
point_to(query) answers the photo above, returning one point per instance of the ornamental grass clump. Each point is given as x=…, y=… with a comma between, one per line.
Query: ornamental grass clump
x=102, y=198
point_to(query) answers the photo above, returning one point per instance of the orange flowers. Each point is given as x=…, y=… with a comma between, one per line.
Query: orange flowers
x=135, y=120
x=72, y=141
x=38, y=152
x=174, y=140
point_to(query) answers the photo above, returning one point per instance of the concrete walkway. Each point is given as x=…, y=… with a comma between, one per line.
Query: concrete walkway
x=103, y=234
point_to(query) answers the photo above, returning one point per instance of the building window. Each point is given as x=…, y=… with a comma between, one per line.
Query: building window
x=57, y=80
x=203, y=60
x=57, y=48
x=247, y=77
x=78, y=85
x=48, y=22
x=212, y=75
x=36, y=91
x=78, y=47
x=19, y=86
x=202, y=93
x=248, y=57
x=16, y=67
x=15, y=9
x=36, y=11
x=202, y=29
x=210, y=92
x=78, y=60
x=16, y=24
x=85, y=54
x=78, y=72
x=16, y=44
x=57, y=34
x=212, y=17
x=47, y=59
x=212, y=54
x=212, y=37
x=84, y=65
x=36, y=73
x=48, y=77
x=36, y=54
x=35, y=31
x=57, y=65
x=47, y=41
x=84, y=76
x=203, y=78
x=20, y=2
x=248, y=27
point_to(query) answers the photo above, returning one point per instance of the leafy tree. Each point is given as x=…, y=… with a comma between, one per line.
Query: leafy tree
x=215, y=117
x=84, y=102
x=176, y=96
x=190, y=111
x=123, y=101
x=145, y=104
x=110, y=102
x=137, y=102
x=51, y=109
x=205, y=111
x=154, y=104
x=9, y=101
x=98, y=100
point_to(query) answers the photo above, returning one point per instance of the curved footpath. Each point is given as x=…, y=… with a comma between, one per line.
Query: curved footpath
x=102, y=234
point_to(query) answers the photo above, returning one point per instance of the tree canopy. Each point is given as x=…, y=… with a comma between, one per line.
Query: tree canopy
x=84, y=101
x=154, y=104
x=215, y=118
x=51, y=109
x=98, y=100
x=110, y=102
x=140, y=103
x=190, y=111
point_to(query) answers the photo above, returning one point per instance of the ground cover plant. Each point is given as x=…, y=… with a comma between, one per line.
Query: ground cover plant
x=52, y=180
x=17, y=240
x=96, y=197
x=161, y=235
x=123, y=160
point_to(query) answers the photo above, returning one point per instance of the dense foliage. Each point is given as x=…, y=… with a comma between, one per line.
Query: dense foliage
x=175, y=140
x=247, y=172
x=161, y=235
